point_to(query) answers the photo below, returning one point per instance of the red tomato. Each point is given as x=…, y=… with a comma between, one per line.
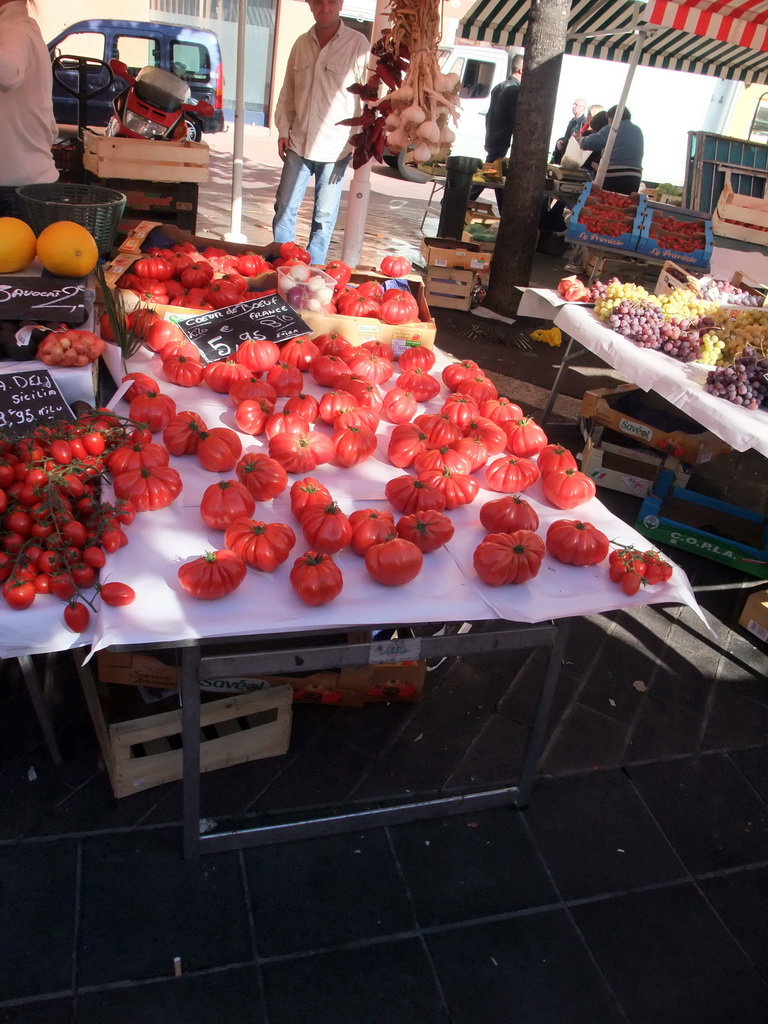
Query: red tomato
x=510, y=474
x=148, y=489
x=76, y=617
x=264, y=546
x=301, y=453
x=316, y=578
x=408, y=494
x=339, y=271
x=153, y=268
x=554, y=457
x=19, y=595
x=478, y=386
x=221, y=375
x=258, y=356
x=567, y=488
x=305, y=492
x=292, y=251
x=213, y=575
x=305, y=406
x=428, y=530
x=370, y=526
x=181, y=435
x=405, y=443
x=251, y=387
x=503, y=558
x=264, y=477
x=196, y=276
x=62, y=587
x=154, y=409
x=74, y=533
x=500, y=410
x=326, y=369
x=422, y=385
x=225, y=501
x=576, y=543
x=394, y=562
x=399, y=406
x=113, y=539
x=251, y=415
x=219, y=449
x=285, y=379
x=395, y=266
x=183, y=371
x=461, y=410
x=117, y=595
x=525, y=437
x=61, y=452
x=94, y=442
x=19, y=522
x=398, y=308
x=508, y=515
x=137, y=456
x=221, y=293
x=440, y=459
x=326, y=527
x=94, y=556
x=300, y=352
x=352, y=445
x=454, y=373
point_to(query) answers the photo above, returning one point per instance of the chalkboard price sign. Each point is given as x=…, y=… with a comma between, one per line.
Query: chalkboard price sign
x=42, y=298
x=28, y=398
x=218, y=333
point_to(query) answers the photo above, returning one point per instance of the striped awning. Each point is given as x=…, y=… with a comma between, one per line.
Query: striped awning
x=722, y=38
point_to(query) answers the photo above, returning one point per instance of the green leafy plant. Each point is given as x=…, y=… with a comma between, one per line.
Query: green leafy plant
x=125, y=330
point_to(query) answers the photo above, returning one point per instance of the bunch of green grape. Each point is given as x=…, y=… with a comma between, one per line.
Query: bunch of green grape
x=683, y=302
x=614, y=293
x=732, y=332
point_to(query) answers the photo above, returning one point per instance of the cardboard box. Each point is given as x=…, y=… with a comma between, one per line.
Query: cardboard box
x=450, y=288
x=447, y=252
x=618, y=468
x=655, y=247
x=708, y=527
x=742, y=217
x=611, y=407
x=754, y=618
x=483, y=246
x=357, y=329
x=141, y=743
x=145, y=159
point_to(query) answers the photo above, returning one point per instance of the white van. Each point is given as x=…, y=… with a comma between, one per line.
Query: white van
x=480, y=68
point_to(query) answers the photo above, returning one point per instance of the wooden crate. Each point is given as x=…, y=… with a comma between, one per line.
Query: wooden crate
x=741, y=217
x=450, y=287
x=145, y=750
x=145, y=159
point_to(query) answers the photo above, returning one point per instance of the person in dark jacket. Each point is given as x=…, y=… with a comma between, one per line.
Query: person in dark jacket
x=625, y=168
x=500, y=119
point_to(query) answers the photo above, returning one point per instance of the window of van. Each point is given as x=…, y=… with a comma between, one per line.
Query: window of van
x=477, y=79
x=83, y=44
x=137, y=52
x=190, y=61
x=758, y=130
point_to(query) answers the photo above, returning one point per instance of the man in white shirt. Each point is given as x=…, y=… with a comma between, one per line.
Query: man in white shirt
x=323, y=63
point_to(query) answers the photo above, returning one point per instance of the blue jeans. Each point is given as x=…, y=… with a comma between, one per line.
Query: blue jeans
x=329, y=179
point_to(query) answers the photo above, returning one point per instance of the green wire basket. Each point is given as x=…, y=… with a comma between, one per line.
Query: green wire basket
x=98, y=209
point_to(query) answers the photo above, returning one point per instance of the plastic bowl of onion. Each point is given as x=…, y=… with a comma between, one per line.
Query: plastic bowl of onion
x=305, y=287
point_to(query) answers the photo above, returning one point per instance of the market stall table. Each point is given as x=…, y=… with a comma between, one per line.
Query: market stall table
x=265, y=606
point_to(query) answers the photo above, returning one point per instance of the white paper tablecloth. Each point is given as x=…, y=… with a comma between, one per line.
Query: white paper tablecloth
x=680, y=383
x=447, y=589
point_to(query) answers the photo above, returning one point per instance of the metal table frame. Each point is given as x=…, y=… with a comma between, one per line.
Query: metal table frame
x=493, y=635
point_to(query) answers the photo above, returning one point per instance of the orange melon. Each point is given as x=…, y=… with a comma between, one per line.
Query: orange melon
x=67, y=249
x=17, y=245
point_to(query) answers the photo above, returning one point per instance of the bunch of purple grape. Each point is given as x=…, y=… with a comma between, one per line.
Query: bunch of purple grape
x=599, y=288
x=681, y=339
x=744, y=383
x=724, y=291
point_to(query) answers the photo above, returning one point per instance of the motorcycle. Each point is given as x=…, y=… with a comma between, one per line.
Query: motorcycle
x=156, y=105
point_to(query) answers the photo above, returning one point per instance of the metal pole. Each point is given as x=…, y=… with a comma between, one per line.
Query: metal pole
x=605, y=159
x=235, y=233
x=360, y=186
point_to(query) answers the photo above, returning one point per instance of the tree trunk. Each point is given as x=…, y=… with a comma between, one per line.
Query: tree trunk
x=518, y=229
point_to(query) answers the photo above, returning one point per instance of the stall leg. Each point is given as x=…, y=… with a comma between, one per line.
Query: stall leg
x=573, y=351
x=36, y=695
x=190, y=721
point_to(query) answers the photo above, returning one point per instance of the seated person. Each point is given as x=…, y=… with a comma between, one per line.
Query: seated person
x=625, y=168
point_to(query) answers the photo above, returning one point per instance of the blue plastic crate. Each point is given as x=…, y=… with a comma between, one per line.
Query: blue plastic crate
x=579, y=232
x=650, y=246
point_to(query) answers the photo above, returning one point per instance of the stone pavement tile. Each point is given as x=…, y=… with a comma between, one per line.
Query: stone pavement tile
x=494, y=756
x=753, y=764
x=733, y=720
x=662, y=729
x=47, y=1011
x=740, y=898
x=669, y=959
x=143, y=905
x=38, y=883
x=438, y=734
x=379, y=984
x=471, y=866
x=230, y=996
x=324, y=892
x=707, y=810
x=584, y=739
x=531, y=969
x=596, y=836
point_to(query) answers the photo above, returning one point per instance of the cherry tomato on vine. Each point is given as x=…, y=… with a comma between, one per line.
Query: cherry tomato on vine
x=83, y=575
x=62, y=587
x=94, y=442
x=42, y=583
x=61, y=452
x=75, y=533
x=113, y=539
x=94, y=556
x=76, y=617
x=19, y=595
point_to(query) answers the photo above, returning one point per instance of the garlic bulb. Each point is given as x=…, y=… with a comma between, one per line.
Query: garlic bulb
x=429, y=132
x=397, y=140
x=393, y=121
x=447, y=137
x=422, y=153
x=413, y=115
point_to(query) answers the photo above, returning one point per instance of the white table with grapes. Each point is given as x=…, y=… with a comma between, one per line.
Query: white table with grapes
x=707, y=355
